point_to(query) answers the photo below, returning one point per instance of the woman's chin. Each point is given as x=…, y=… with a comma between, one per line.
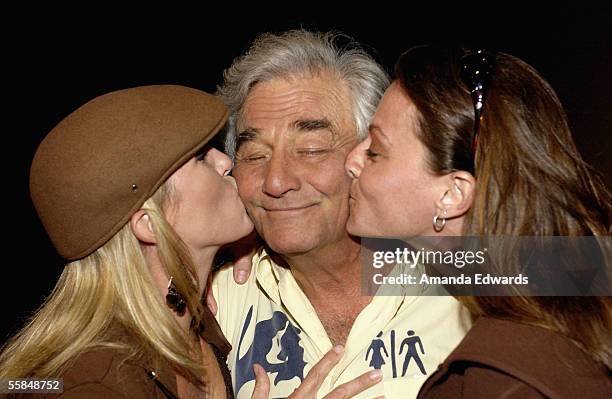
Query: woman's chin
x=358, y=228
x=247, y=227
x=355, y=228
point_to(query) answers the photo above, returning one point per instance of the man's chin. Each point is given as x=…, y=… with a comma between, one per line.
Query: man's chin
x=289, y=242
x=286, y=238
x=290, y=248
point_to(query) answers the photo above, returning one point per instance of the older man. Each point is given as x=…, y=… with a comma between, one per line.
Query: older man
x=299, y=104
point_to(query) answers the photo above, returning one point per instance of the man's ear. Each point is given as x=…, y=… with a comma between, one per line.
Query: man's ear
x=459, y=195
x=141, y=226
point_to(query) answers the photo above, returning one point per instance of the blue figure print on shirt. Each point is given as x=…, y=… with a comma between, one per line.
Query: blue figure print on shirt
x=291, y=354
x=376, y=347
x=412, y=353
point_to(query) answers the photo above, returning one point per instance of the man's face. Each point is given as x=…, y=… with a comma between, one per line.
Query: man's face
x=293, y=138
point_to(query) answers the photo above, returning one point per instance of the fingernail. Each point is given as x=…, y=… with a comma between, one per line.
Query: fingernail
x=375, y=375
x=241, y=276
x=338, y=349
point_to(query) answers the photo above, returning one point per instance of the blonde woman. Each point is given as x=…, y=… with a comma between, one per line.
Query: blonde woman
x=138, y=205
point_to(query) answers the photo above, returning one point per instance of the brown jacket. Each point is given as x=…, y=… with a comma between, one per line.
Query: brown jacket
x=504, y=359
x=104, y=374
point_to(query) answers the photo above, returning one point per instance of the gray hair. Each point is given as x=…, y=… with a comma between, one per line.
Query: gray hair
x=273, y=56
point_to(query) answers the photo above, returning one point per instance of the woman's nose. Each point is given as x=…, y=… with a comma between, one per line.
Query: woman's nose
x=222, y=163
x=356, y=158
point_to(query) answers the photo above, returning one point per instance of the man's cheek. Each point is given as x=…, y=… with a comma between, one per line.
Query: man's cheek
x=332, y=182
x=245, y=188
x=252, y=210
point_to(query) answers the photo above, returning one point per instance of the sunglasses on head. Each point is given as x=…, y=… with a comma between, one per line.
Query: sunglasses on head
x=476, y=68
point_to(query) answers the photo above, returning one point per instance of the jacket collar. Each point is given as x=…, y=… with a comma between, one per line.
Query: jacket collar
x=543, y=359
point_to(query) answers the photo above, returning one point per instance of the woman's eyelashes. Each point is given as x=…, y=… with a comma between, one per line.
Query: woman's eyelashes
x=375, y=150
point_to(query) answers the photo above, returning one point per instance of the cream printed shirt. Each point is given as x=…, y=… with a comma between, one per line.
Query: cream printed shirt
x=269, y=321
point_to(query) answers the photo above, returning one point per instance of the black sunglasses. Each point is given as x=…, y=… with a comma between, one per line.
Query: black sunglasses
x=476, y=67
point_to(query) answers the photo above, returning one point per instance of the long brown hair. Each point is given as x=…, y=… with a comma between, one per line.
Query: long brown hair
x=530, y=177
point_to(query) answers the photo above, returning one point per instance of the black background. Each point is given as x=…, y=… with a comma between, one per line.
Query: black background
x=54, y=65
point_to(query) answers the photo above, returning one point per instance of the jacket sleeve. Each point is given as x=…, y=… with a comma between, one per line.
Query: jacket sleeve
x=484, y=382
x=479, y=381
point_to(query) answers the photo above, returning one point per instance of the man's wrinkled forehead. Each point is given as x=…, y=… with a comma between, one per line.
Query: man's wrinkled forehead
x=302, y=104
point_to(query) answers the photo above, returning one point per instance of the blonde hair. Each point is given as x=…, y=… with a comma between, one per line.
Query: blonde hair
x=112, y=290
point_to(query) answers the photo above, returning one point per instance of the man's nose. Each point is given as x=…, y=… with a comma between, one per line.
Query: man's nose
x=280, y=176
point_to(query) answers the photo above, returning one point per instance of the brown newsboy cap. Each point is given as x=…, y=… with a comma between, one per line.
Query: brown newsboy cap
x=103, y=161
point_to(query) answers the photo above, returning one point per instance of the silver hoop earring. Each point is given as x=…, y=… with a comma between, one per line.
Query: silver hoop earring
x=439, y=223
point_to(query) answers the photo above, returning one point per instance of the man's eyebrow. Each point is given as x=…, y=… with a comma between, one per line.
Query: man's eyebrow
x=308, y=125
x=247, y=134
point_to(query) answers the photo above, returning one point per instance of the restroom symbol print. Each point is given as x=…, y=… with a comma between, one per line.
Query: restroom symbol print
x=410, y=351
